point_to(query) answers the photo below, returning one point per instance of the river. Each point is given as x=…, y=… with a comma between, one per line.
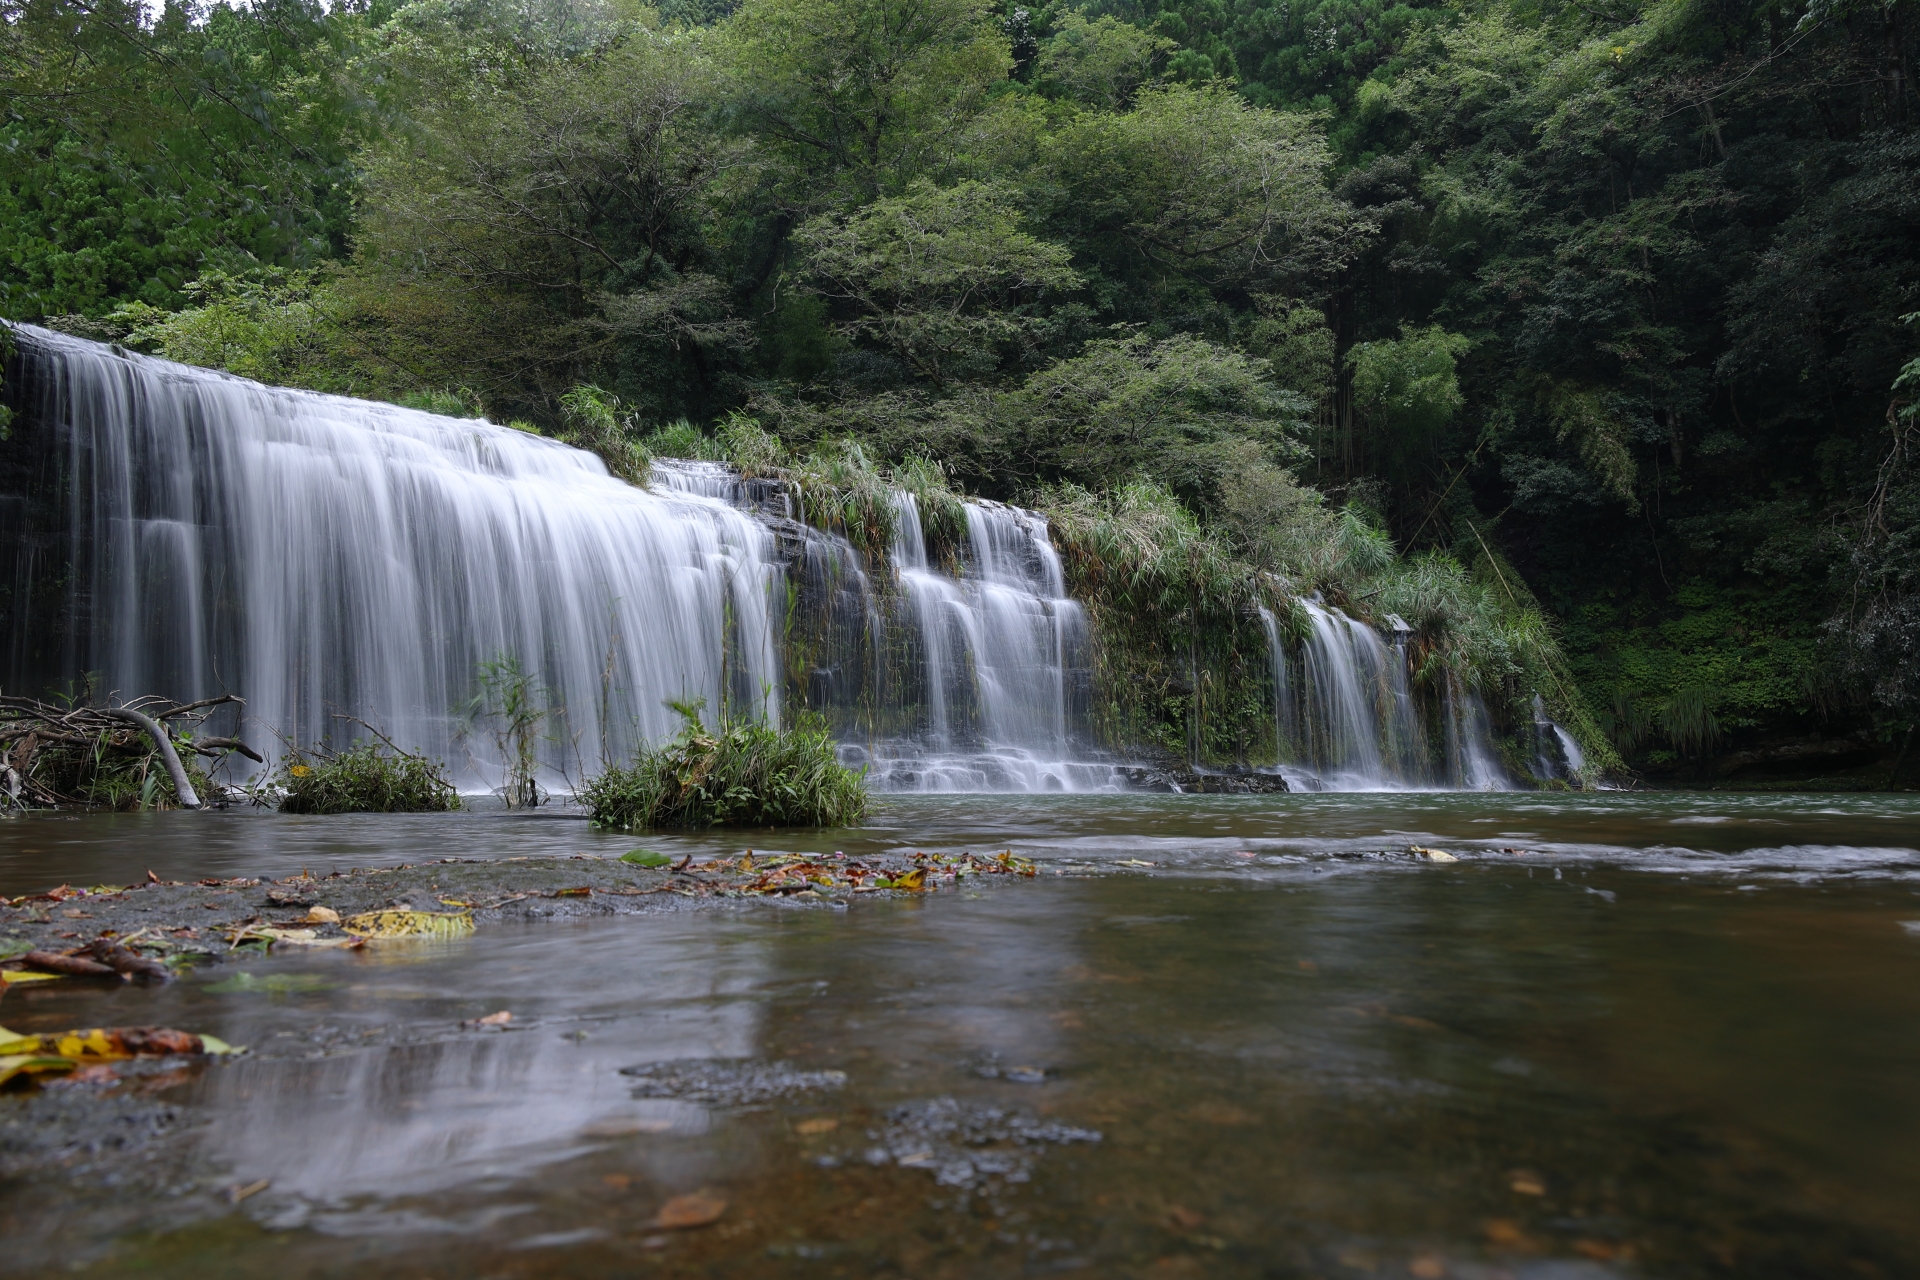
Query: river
x=1625, y=1034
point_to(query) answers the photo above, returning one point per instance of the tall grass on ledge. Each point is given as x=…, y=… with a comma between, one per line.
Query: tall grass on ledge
x=739, y=773
x=365, y=778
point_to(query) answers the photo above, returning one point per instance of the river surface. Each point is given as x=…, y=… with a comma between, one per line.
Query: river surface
x=1624, y=1035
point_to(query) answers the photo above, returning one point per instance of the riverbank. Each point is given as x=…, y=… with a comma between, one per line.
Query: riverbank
x=185, y=924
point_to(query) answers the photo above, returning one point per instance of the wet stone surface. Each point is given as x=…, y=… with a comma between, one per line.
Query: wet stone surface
x=966, y=1143
x=728, y=1084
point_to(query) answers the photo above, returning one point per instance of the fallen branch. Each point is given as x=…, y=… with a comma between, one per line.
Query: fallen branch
x=163, y=741
x=72, y=966
x=29, y=727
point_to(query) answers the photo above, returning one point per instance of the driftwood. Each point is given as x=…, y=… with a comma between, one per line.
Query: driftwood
x=29, y=726
x=72, y=966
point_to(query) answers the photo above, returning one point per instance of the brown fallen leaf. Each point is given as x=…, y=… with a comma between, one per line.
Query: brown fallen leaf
x=320, y=915
x=618, y=1181
x=499, y=1019
x=1186, y=1219
x=1427, y=1267
x=1528, y=1184
x=820, y=1124
x=695, y=1209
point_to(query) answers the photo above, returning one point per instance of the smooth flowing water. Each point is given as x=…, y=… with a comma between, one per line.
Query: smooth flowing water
x=1625, y=1035
x=343, y=564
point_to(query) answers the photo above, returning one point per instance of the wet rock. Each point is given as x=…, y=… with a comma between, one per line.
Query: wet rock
x=1201, y=782
x=964, y=1143
x=727, y=1084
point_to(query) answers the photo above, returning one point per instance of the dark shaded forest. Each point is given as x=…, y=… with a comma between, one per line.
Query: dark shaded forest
x=1583, y=336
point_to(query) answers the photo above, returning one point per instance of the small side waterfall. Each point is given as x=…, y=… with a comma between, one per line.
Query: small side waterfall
x=1352, y=721
x=1555, y=753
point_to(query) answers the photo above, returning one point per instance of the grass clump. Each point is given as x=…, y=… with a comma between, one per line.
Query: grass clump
x=739, y=773
x=365, y=778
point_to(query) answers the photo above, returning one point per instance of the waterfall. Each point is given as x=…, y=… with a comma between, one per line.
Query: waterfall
x=181, y=532
x=326, y=557
x=1000, y=660
x=1472, y=762
x=1555, y=753
x=1354, y=723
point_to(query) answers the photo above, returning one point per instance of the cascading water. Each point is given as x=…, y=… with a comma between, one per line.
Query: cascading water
x=1555, y=753
x=185, y=533
x=1001, y=660
x=1351, y=722
x=330, y=557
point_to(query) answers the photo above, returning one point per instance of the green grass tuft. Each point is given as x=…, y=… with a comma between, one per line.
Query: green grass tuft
x=739, y=773
x=365, y=778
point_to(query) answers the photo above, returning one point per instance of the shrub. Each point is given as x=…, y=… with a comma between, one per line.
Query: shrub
x=740, y=773
x=365, y=778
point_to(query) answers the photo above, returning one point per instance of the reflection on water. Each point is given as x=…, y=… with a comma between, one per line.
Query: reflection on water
x=1642, y=1053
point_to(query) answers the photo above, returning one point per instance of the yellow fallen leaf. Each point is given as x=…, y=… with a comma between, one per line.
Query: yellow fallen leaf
x=409, y=924
x=324, y=915
x=914, y=881
x=693, y=1210
x=11, y=976
x=15, y=1064
x=107, y=1044
x=822, y=1124
x=1431, y=855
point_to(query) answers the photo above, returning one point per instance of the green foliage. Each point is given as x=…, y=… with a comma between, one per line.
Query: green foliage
x=284, y=328
x=842, y=491
x=855, y=97
x=146, y=144
x=1101, y=62
x=941, y=278
x=114, y=771
x=591, y=419
x=1409, y=387
x=1202, y=190
x=739, y=774
x=681, y=439
x=1182, y=410
x=513, y=708
x=368, y=777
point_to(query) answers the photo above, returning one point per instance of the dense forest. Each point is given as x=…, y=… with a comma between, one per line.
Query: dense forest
x=1579, y=334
